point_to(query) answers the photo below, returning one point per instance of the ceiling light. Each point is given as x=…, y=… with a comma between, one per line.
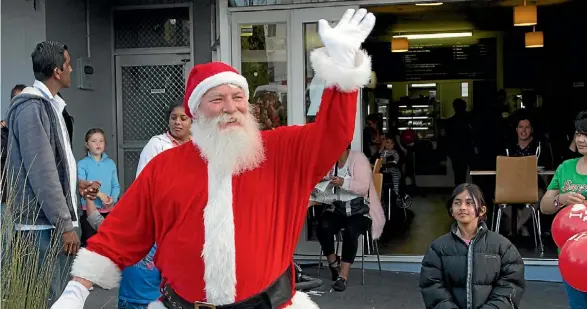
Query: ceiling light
x=534, y=39
x=399, y=45
x=429, y=4
x=434, y=35
x=525, y=15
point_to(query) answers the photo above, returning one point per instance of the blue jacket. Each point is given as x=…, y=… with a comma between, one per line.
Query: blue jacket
x=104, y=171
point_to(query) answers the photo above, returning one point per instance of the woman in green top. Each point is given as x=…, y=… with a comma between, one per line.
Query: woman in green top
x=568, y=187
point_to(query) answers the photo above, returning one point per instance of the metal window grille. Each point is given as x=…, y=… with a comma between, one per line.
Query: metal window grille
x=147, y=91
x=147, y=28
x=131, y=161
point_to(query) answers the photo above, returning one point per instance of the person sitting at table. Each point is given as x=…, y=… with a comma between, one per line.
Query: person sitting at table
x=526, y=145
x=568, y=187
x=355, y=208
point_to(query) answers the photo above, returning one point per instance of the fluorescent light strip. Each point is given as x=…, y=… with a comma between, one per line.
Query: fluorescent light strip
x=414, y=128
x=434, y=35
x=429, y=4
x=423, y=85
x=416, y=106
x=415, y=117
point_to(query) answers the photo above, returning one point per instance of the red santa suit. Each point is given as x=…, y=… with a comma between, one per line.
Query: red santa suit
x=223, y=238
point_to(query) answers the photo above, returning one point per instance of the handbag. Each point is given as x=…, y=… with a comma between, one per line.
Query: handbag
x=356, y=206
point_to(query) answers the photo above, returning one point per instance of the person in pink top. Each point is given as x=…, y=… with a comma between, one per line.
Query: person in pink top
x=356, y=208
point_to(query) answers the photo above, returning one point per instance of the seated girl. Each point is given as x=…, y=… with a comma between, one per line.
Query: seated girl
x=471, y=266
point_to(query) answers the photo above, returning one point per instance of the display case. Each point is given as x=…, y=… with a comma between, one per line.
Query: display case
x=418, y=117
x=383, y=109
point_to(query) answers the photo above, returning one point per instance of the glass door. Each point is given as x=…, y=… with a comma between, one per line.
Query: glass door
x=260, y=43
x=306, y=95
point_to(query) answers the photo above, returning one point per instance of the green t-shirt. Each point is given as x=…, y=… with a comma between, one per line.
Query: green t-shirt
x=566, y=179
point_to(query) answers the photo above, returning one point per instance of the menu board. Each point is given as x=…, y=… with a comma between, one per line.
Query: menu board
x=440, y=62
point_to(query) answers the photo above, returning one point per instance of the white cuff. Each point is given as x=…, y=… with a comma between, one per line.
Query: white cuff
x=74, y=296
x=96, y=268
x=344, y=78
x=77, y=289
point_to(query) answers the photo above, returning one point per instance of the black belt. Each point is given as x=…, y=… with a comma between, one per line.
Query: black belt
x=276, y=295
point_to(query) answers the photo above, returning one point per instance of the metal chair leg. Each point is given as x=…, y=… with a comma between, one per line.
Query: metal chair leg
x=363, y=260
x=494, y=216
x=389, y=204
x=539, y=227
x=376, y=246
x=320, y=261
x=534, y=225
x=498, y=222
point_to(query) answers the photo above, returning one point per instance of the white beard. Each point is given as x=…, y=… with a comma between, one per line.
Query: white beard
x=233, y=150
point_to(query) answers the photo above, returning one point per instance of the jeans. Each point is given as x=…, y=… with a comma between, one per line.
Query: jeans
x=123, y=304
x=48, y=246
x=577, y=299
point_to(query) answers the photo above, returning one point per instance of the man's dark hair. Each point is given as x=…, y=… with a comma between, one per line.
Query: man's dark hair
x=19, y=88
x=48, y=56
x=581, y=122
x=523, y=115
x=172, y=106
x=459, y=105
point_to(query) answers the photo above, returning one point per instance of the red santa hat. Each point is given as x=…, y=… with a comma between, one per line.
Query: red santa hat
x=204, y=77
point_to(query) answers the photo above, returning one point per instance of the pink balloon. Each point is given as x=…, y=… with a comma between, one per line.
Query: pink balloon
x=572, y=261
x=569, y=221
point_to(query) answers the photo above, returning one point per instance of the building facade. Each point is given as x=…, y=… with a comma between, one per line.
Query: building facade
x=140, y=52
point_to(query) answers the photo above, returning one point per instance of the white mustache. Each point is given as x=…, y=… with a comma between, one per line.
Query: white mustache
x=226, y=118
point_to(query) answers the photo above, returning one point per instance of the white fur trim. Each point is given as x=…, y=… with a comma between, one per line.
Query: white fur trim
x=219, y=251
x=96, y=268
x=302, y=300
x=156, y=305
x=213, y=81
x=344, y=78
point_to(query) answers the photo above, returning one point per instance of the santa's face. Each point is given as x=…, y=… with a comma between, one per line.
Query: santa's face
x=225, y=131
x=226, y=100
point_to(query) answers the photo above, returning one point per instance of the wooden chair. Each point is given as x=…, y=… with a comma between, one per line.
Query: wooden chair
x=516, y=183
x=377, y=166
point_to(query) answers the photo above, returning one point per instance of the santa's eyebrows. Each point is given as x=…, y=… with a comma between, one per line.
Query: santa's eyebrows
x=222, y=95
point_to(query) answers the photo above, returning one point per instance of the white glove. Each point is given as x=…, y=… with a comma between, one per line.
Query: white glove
x=73, y=297
x=344, y=40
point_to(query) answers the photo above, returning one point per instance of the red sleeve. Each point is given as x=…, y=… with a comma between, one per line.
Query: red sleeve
x=318, y=145
x=124, y=238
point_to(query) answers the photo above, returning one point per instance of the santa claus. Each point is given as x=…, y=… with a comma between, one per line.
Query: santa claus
x=226, y=211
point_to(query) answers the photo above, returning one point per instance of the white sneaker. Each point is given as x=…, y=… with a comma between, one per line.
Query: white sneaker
x=91, y=288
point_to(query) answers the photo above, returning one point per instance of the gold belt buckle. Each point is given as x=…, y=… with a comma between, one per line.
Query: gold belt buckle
x=201, y=305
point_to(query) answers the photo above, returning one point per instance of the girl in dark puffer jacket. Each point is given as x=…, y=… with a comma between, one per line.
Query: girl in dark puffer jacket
x=471, y=267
